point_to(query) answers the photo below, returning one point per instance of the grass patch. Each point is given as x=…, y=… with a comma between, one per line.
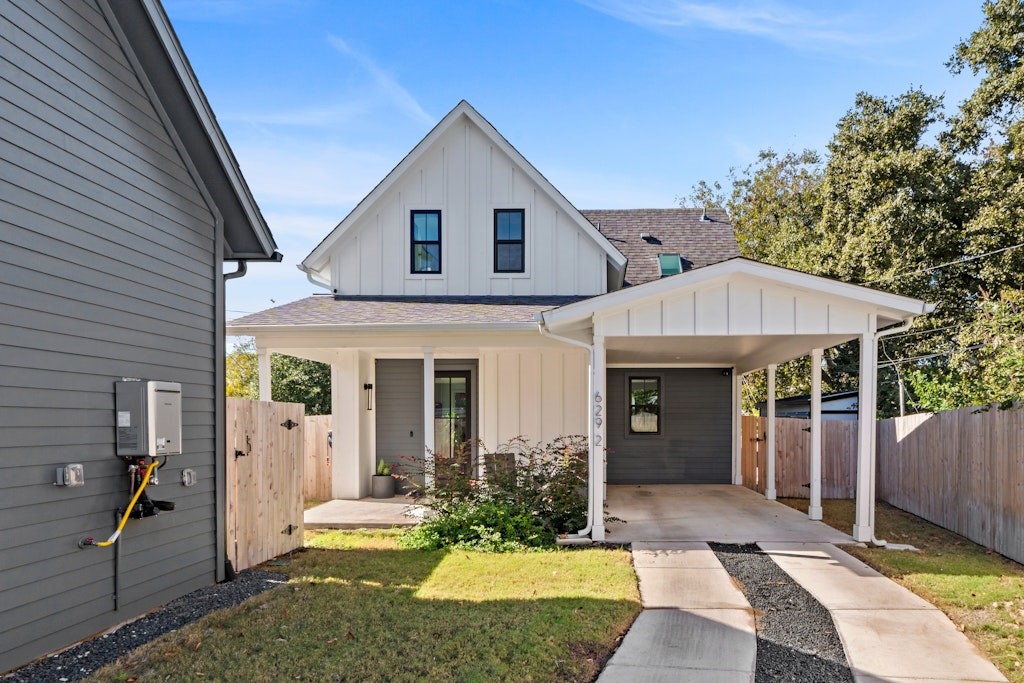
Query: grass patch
x=358, y=608
x=311, y=503
x=980, y=590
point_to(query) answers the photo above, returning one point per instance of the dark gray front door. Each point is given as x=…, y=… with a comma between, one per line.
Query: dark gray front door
x=669, y=426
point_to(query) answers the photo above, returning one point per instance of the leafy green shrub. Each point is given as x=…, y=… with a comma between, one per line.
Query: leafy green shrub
x=527, y=495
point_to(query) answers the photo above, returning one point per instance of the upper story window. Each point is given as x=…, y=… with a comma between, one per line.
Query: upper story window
x=426, y=241
x=670, y=264
x=509, y=240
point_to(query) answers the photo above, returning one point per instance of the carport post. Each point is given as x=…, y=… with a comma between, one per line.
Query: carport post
x=863, y=525
x=263, y=369
x=814, y=508
x=428, y=416
x=737, y=427
x=598, y=406
x=769, y=490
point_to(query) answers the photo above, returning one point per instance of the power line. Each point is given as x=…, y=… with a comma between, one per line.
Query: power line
x=920, y=271
x=930, y=355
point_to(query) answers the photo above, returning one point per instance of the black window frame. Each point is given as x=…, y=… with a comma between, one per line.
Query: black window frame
x=629, y=403
x=413, y=242
x=521, y=241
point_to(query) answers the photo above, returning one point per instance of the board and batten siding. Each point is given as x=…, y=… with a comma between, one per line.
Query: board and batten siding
x=108, y=269
x=538, y=394
x=465, y=176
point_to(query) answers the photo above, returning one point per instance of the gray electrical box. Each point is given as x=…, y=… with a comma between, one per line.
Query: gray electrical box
x=148, y=418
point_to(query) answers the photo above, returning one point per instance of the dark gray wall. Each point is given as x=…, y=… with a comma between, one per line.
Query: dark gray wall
x=108, y=268
x=398, y=402
x=695, y=443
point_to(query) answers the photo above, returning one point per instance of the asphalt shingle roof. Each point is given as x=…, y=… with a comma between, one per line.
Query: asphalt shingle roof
x=672, y=231
x=407, y=310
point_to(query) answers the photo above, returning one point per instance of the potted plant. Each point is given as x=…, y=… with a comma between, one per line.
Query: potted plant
x=382, y=483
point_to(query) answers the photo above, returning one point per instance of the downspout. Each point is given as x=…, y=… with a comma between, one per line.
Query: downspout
x=313, y=279
x=902, y=327
x=240, y=272
x=591, y=468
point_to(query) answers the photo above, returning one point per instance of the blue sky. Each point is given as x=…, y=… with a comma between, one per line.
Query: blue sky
x=620, y=104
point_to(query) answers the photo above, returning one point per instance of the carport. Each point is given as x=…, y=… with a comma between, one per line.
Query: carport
x=731, y=318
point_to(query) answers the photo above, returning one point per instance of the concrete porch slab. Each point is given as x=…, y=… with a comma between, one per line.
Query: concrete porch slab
x=367, y=513
x=708, y=512
x=692, y=555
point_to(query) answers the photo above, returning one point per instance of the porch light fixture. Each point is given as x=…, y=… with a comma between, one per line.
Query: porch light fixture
x=368, y=388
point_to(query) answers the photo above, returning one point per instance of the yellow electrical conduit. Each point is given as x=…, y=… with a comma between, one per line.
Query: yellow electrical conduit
x=131, y=506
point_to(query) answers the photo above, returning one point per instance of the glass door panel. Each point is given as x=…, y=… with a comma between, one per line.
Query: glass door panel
x=452, y=417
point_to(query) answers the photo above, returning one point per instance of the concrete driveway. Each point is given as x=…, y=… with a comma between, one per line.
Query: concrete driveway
x=709, y=512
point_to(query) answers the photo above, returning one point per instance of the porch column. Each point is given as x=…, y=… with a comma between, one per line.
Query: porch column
x=864, y=519
x=428, y=414
x=598, y=402
x=263, y=367
x=350, y=478
x=814, y=509
x=769, y=490
x=737, y=428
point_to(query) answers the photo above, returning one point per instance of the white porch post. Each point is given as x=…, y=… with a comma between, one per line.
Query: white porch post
x=263, y=366
x=769, y=490
x=598, y=405
x=737, y=428
x=864, y=520
x=428, y=413
x=349, y=480
x=814, y=509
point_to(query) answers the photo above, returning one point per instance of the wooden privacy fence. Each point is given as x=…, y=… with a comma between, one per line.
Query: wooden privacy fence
x=962, y=470
x=264, y=480
x=793, y=457
x=317, y=477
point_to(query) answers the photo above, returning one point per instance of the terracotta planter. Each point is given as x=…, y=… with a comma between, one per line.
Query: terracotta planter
x=382, y=486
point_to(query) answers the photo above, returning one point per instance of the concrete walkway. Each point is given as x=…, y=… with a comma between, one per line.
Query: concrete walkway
x=889, y=633
x=696, y=624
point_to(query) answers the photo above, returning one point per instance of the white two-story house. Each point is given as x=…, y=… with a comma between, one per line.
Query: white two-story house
x=466, y=297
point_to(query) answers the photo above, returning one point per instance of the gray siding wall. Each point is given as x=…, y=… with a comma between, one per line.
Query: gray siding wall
x=694, y=446
x=107, y=270
x=398, y=384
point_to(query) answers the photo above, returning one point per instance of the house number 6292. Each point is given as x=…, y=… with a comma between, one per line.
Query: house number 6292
x=598, y=421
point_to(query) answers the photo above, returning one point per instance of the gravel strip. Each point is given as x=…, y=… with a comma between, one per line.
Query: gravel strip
x=796, y=638
x=77, y=662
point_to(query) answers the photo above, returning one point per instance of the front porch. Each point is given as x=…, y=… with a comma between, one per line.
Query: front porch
x=723, y=513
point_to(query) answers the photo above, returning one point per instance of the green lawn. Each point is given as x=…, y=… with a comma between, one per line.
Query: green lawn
x=357, y=608
x=980, y=590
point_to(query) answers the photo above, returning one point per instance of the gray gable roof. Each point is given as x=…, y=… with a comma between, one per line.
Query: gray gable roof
x=672, y=231
x=404, y=310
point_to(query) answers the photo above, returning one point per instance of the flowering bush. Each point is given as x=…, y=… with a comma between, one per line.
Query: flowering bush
x=523, y=496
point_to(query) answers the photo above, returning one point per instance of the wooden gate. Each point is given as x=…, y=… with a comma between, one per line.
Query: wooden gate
x=264, y=480
x=318, y=458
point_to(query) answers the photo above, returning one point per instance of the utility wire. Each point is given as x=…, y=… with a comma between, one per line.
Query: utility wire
x=965, y=259
x=930, y=355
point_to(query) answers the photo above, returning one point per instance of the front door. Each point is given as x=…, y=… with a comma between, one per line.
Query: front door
x=453, y=420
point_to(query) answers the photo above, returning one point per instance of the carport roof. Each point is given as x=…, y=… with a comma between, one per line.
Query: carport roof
x=891, y=308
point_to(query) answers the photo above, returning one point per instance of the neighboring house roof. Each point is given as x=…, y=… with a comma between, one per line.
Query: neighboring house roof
x=318, y=258
x=156, y=53
x=671, y=231
x=403, y=310
x=806, y=398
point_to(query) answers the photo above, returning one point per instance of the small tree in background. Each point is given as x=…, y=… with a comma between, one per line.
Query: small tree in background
x=293, y=380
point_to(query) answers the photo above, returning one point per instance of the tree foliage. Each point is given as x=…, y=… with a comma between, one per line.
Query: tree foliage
x=901, y=200
x=292, y=380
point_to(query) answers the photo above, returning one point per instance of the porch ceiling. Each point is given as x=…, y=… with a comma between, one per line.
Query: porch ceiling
x=746, y=352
